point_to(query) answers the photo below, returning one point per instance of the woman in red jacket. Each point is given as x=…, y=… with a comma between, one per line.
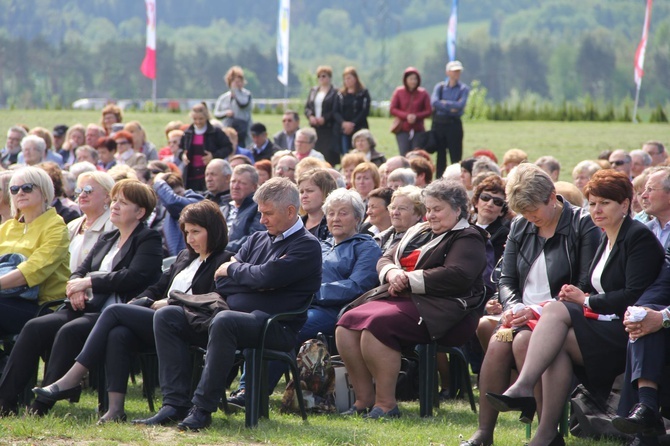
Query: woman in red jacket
x=411, y=104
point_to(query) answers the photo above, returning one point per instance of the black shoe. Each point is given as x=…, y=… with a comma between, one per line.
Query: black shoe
x=558, y=440
x=197, y=419
x=39, y=407
x=644, y=441
x=237, y=399
x=53, y=393
x=8, y=410
x=504, y=403
x=640, y=420
x=165, y=415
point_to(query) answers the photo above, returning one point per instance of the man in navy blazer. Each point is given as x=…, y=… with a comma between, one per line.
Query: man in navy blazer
x=648, y=353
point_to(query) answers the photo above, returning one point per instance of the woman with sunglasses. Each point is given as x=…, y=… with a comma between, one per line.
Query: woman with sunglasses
x=39, y=234
x=491, y=211
x=120, y=265
x=319, y=110
x=551, y=243
x=92, y=195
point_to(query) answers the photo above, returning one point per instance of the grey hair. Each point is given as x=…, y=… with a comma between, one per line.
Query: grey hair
x=412, y=193
x=549, y=162
x=451, y=192
x=588, y=166
x=37, y=141
x=39, y=178
x=225, y=167
x=309, y=132
x=484, y=164
x=646, y=158
x=247, y=168
x=346, y=196
x=81, y=167
x=17, y=129
x=90, y=150
x=102, y=178
x=279, y=191
x=528, y=187
x=407, y=176
x=367, y=134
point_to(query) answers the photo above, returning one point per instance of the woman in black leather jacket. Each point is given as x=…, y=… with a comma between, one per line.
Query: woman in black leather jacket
x=551, y=243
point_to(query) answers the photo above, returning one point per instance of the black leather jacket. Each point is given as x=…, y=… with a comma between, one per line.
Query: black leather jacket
x=568, y=253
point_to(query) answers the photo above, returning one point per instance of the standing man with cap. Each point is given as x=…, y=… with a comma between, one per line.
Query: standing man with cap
x=449, y=99
x=263, y=148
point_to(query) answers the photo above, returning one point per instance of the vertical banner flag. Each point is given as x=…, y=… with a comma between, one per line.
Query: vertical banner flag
x=148, y=67
x=641, y=48
x=282, y=40
x=451, y=32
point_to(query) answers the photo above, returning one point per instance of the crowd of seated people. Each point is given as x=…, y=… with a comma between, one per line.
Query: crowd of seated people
x=89, y=212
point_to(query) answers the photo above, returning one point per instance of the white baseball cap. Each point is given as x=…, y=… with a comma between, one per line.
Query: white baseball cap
x=455, y=65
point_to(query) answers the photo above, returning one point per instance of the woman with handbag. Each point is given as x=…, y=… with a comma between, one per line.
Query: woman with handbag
x=234, y=106
x=119, y=265
x=410, y=105
x=434, y=282
x=125, y=329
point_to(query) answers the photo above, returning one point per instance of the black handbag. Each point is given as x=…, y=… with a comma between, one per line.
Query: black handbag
x=199, y=309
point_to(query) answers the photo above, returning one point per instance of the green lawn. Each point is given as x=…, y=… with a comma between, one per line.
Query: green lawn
x=570, y=142
x=75, y=424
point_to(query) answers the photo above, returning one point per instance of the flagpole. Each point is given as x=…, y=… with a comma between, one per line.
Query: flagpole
x=153, y=94
x=637, y=97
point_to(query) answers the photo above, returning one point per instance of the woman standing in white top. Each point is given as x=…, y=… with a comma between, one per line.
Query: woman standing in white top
x=550, y=243
x=319, y=110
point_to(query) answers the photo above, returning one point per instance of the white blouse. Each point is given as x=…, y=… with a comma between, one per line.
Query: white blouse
x=318, y=103
x=596, y=276
x=184, y=279
x=537, y=288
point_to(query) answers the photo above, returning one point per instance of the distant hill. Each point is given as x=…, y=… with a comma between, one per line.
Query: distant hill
x=556, y=49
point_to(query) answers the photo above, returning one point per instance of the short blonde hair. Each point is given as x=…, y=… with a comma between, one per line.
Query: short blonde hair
x=102, y=178
x=528, y=187
x=232, y=73
x=515, y=156
x=367, y=167
x=413, y=193
x=41, y=179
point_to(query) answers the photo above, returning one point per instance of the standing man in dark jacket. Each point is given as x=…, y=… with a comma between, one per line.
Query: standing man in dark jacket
x=275, y=271
x=449, y=100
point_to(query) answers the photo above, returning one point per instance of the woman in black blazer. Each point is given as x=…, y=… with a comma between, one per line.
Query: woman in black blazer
x=584, y=333
x=123, y=330
x=351, y=109
x=320, y=109
x=120, y=264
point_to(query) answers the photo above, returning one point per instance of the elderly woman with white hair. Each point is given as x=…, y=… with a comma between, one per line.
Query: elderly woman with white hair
x=401, y=177
x=33, y=149
x=406, y=210
x=434, y=280
x=39, y=235
x=583, y=172
x=365, y=144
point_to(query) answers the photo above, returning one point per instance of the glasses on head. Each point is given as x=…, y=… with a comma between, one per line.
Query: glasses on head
x=487, y=197
x=618, y=162
x=393, y=208
x=26, y=188
x=83, y=190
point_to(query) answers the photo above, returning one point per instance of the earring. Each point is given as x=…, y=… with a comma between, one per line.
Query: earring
x=105, y=207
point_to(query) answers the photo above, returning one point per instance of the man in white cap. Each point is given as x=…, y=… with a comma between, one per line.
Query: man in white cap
x=448, y=100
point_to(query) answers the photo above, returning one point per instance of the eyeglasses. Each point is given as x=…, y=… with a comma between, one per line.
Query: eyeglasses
x=122, y=143
x=321, y=76
x=26, y=188
x=393, y=208
x=618, y=162
x=85, y=190
x=496, y=200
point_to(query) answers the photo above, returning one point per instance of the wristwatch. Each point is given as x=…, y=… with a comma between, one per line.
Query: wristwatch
x=666, y=318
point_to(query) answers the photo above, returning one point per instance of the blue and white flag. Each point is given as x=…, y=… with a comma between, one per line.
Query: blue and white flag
x=282, y=40
x=451, y=32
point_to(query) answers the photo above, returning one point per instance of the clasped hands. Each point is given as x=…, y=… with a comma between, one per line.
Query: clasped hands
x=651, y=323
x=76, y=292
x=398, y=282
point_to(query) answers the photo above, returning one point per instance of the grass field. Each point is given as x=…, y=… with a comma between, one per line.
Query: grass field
x=570, y=142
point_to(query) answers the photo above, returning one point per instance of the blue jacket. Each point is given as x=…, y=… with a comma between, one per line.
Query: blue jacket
x=349, y=270
x=174, y=204
x=247, y=222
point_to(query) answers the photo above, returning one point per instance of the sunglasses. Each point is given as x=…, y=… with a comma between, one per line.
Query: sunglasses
x=26, y=188
x=323, y=75
x=618, y=162
x=496, y=200
x=83, y=190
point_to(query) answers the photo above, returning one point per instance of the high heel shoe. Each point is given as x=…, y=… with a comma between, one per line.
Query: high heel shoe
x=53, y=393
x=558, y=440
x=504, y=403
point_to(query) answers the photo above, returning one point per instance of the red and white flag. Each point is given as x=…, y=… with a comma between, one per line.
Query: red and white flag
x=641, y=48
x=148, y=67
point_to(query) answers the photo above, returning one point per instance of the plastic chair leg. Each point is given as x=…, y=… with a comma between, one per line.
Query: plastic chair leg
x=253, y=359
x=427, y=378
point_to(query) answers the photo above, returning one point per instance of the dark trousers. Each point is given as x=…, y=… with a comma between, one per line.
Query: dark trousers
x=325, y=143
x=231, y=331
x=449, y=135
x=121, y=331
x=63, y=333
x=645, y=358
x=14, y=313
x=174, y=337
